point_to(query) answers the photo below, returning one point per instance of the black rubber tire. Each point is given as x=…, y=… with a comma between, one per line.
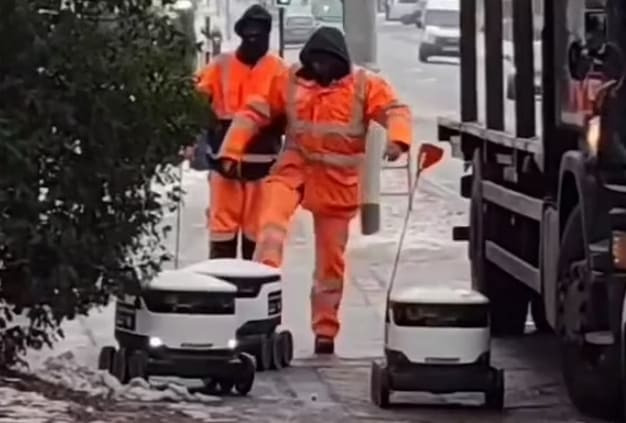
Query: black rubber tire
x=263, y=354
x=379, y=385
x=593, y=386
x=287, y=343
x=225, y=386
x=138, y=365
x=276, y=363
x=424, y=54
x=105, y=358
x=244, y=385
x=494, y=397
x=508, y=297
x=120, y=366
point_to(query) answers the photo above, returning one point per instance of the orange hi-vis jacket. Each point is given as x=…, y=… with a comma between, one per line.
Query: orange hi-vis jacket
x=326, y=133
x=229, y=82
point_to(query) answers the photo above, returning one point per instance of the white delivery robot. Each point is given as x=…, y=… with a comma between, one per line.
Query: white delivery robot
x=437, y=340
x=259, y=308
x=182, y=324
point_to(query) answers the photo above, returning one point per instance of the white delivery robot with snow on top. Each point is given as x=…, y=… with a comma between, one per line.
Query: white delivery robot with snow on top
x=259, y=308
x=181, y=324
x=437, y=340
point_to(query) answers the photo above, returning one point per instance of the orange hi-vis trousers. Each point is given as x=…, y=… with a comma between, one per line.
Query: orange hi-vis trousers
x=233, y=210
x=331, y=236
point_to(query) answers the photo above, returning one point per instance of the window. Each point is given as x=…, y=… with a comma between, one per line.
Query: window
x=189, y=302
x=442, y=18
x=441, y=315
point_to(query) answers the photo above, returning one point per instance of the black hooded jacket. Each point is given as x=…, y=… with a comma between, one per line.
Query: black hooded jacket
x=327, y=40
x=255, y=13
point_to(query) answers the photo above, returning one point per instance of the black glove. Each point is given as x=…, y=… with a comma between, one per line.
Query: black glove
x=229, y=168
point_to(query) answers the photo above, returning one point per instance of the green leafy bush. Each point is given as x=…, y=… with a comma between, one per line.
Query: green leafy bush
x=96, y=99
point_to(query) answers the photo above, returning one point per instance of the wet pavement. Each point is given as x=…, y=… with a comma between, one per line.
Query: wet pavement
x=337, y=389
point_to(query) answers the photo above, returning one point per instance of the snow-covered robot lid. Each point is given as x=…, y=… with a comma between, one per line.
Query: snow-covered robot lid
x=184, y=280
x=437, y=295
x=235, y=268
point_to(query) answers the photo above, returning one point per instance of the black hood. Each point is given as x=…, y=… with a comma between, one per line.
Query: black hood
x=255, y=13
x=326, y=40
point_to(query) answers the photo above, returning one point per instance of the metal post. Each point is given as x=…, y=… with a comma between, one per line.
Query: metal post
x=281, y=31
x=493, y=65
x=359, y=17
x=359, y=22
x=523, y=49
x=229, y=30
x=469, y=95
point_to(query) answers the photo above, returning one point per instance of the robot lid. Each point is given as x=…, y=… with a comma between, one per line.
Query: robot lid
x=184, y=280
x=235, y=268
x=437, y=295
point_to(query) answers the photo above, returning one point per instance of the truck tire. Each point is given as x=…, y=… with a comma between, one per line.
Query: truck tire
x=508, y=297
x=591, y=372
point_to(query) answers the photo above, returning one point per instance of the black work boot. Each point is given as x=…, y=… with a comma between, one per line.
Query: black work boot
x=324, y=345
x=247, y=247
x=223, y=249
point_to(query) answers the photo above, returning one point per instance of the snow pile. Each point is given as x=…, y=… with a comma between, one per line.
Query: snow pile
x=30, y=407
x=63, y=370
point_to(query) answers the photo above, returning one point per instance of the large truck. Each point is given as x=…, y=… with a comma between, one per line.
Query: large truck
x=547, y=224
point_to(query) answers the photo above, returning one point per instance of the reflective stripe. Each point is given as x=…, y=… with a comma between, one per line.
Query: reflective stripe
x=222, y=236
x=331, y=159
x=354, y=128
x=327, y=293
x=261, y=108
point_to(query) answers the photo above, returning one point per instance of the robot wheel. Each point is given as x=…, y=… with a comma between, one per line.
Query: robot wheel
x=379, y=385
x=494, y=397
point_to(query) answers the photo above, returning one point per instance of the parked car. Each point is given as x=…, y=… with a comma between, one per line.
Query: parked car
x=395, y=10
x=298, y=28
x=440, y=25
x=328, y=13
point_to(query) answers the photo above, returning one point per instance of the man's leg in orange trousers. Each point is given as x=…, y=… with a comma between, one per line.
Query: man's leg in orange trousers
x=252, y=195
x=331, y=238
x=279, y=202
x=225, y=214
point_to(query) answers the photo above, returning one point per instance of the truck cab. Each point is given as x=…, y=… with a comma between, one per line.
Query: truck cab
x=547, y=224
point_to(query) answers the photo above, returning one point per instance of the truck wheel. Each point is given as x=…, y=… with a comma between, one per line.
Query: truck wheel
x=244, y=384
x=105, y=359
x=590, y=371
x=508, y=297
x=120, y=366
x=379, y=385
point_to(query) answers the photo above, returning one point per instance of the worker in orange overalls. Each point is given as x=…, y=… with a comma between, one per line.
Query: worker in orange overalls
x=328, y=105
x=229, y=79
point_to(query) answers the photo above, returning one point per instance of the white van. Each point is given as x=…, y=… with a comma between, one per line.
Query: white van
x=441, y=29
x=395, y=10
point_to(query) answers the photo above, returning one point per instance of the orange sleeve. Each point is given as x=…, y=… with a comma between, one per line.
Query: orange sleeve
x=382, y=106
x=259, y=111
x=206, y=79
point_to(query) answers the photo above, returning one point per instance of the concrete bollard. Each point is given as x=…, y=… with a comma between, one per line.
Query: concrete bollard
x=370, y=179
